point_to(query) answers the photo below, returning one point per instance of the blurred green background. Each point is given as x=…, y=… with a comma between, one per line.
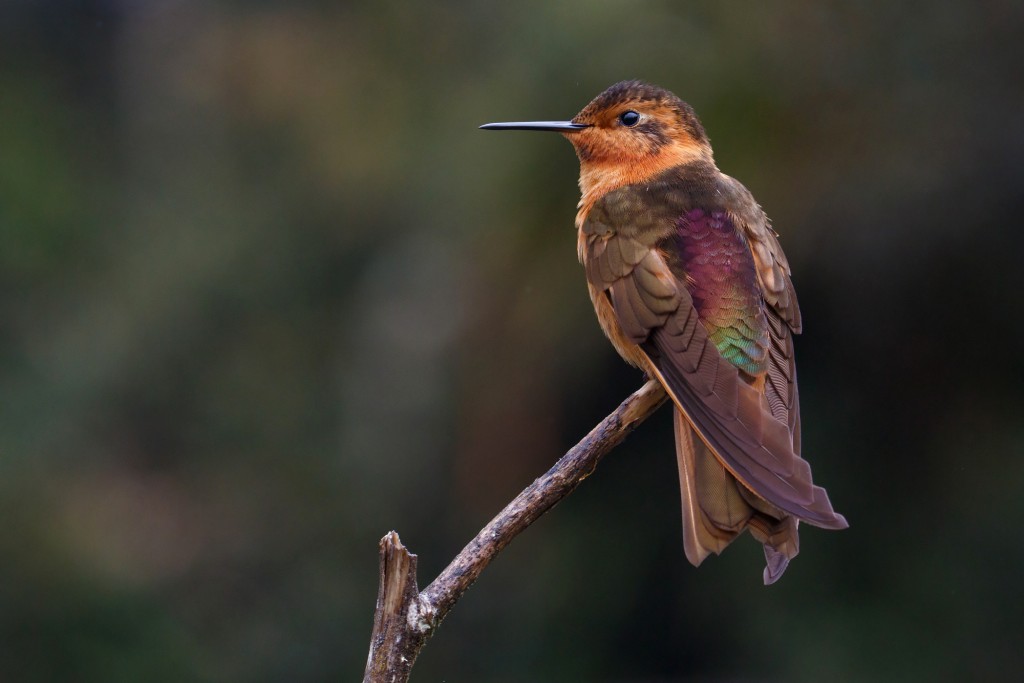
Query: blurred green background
x=267, y=294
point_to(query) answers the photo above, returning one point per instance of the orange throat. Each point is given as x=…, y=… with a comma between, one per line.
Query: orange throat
x=601, y=176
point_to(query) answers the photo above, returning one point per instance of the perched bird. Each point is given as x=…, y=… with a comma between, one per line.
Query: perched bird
x=690, y=284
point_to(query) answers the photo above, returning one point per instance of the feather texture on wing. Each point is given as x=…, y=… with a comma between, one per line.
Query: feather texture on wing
x=700, y=292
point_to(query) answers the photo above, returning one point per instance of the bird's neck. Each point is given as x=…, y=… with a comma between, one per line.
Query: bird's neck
x=598, y=177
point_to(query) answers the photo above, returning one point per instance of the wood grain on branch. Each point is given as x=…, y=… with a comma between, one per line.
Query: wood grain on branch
x=405, y=618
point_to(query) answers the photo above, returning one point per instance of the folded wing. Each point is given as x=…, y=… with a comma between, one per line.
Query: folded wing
x=736, y=388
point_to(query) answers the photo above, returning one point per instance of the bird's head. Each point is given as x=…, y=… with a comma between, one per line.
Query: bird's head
x=627, y=134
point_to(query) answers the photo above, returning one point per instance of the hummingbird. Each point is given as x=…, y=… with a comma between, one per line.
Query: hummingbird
x=690, y=284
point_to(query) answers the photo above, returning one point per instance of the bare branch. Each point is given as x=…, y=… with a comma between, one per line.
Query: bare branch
x=405, y=618
x=392, y=638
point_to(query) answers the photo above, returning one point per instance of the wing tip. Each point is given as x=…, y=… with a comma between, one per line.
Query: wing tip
x=823, y=519
x=824, y=516
x=840, y=522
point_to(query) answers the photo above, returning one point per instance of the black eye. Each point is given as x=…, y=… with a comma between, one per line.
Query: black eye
x=629, y=118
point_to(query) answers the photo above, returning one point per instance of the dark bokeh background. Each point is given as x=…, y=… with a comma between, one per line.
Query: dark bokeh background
x=267, y=293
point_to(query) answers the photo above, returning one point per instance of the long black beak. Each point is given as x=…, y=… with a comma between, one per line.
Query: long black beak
x=557, y=126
